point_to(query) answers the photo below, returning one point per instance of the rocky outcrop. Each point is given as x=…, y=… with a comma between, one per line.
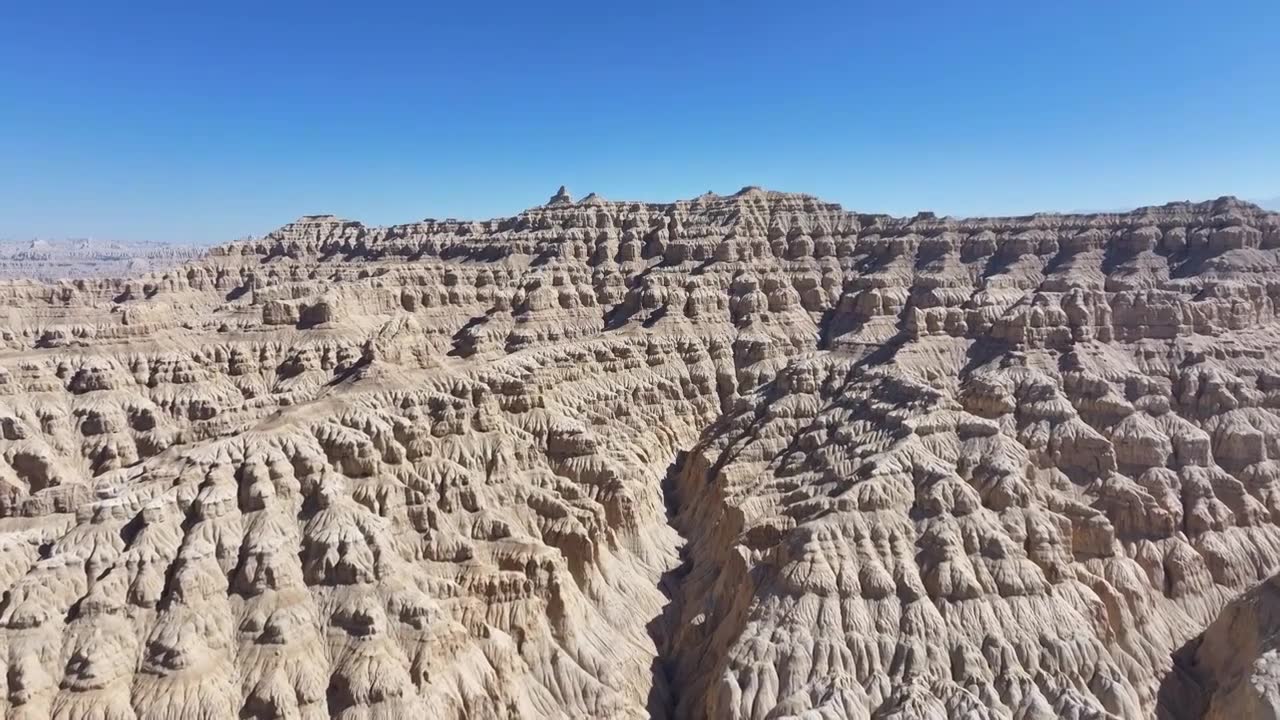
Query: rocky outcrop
x=1232, y=670
x=739, y=456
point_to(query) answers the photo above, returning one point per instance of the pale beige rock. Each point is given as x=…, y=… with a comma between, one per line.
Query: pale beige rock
x=748, y=456
x=1232, y=670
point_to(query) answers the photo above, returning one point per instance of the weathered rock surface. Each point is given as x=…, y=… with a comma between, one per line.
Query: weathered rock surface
x=749, y=456
x=1232, y=670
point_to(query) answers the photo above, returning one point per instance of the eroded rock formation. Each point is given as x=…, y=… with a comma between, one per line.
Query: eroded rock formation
x=749, y=456
x=86, y=257
x=1232, y=670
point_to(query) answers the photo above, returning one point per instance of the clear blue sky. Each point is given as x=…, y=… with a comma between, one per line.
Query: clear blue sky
x=160, y=121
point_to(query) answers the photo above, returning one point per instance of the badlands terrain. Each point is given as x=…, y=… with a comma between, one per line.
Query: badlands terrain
x=748, y=456
x=86, y=257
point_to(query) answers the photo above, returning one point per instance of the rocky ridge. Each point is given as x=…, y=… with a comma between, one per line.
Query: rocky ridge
x=740, y=456
x=1232, y=669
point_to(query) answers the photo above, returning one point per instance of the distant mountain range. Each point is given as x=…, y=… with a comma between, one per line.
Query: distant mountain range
x=53, y=259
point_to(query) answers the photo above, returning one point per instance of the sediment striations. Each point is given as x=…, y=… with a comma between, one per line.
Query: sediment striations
x=749, y=456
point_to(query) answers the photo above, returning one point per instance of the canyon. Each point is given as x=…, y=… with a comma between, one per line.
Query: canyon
x=739, y=456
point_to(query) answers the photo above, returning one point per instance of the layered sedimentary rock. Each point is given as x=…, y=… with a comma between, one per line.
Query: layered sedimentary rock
x=748, y=456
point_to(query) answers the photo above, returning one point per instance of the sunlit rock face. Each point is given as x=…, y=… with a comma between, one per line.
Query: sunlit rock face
x=1232, y=670
x=748, y=456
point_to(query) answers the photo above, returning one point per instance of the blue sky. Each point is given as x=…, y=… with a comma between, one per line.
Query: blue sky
x=163, y=121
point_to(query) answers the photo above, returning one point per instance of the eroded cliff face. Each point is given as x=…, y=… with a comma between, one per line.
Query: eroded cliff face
x=1232, y=670
x=735, y=457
